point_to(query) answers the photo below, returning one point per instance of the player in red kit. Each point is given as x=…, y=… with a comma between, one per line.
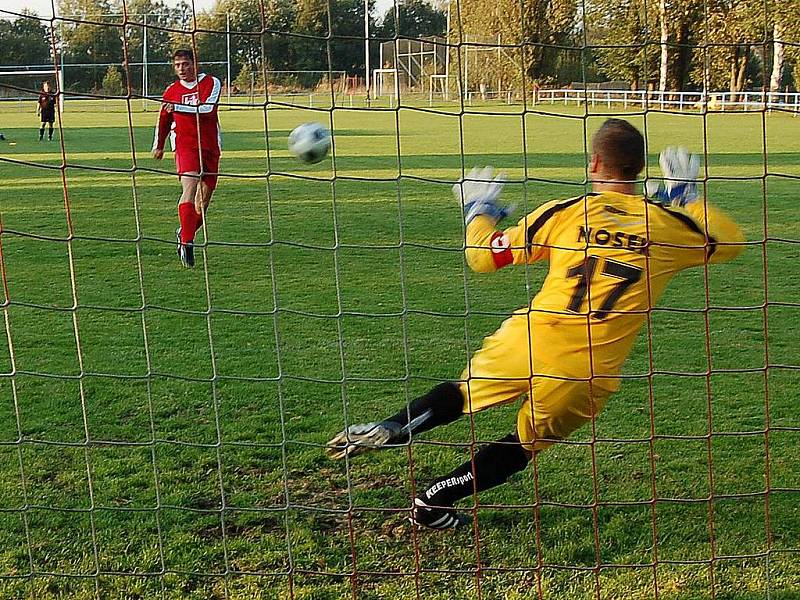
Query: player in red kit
x=189, y=116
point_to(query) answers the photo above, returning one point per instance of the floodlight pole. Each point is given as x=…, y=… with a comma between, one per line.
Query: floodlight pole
x=228, y=44
x=60, y=67
x=61, y=79
x=366, y=46
x=466, y=68
x=447, y=57
x=144, y=62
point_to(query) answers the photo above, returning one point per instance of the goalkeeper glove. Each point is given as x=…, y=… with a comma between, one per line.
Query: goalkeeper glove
x=679, y=170
x=478, y=192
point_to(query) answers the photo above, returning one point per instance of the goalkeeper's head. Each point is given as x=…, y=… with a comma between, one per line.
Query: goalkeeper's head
x=617, y=152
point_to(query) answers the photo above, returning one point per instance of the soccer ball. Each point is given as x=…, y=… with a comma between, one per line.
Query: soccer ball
x=310, y=142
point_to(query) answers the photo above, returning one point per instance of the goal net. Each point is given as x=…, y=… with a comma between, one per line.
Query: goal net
x=163, y=430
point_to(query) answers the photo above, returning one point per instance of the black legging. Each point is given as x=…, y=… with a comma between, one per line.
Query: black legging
x=50, y=132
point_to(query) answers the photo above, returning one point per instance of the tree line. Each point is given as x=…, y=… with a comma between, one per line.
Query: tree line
x=661, y=44
x=266, y=36
x=680, y=45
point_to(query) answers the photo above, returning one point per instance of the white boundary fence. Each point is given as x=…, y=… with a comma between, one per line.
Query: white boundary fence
x=652, y=100
x=671, y=100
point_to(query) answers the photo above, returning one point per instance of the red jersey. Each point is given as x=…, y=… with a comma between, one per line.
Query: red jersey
x=192, y=103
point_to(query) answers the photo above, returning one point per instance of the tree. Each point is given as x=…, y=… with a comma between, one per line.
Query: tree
x=345, y=23
x=535, y=29
x=785, y=21
x=24, y=41
x=279, y=17
x=98, y=42
x=347, y=28
x=628, y=32
x=684, y=18
x=623, y=32
x=258, y=39
x=778, y=56
x=150, y=21
x=417, y=19
x=112, y=82
x=733, y=27
x=246, y=80
x=157, y=17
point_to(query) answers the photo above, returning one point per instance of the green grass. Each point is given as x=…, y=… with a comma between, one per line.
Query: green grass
x=190, y=465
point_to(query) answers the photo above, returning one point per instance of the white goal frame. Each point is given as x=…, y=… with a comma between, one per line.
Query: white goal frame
x=58, y=74
x=377, y=82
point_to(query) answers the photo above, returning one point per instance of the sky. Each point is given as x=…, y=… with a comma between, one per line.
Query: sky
x=44, y=7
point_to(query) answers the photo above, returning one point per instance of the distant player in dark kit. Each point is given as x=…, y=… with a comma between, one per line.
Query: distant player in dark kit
x=189, y=116
x=611, y=254
x=46, y=110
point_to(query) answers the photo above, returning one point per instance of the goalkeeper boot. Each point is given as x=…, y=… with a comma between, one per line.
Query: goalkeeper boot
x=435, y=517
x=361, y=438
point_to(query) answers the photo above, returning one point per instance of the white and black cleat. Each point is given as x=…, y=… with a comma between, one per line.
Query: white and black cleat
x=178, y=241
x=186, y=252
x=435, y=517
x=363, y=437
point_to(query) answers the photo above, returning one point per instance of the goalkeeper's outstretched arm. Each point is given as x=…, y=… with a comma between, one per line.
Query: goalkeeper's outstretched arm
x=489, y=249
x=721, y=239
x=724, y=239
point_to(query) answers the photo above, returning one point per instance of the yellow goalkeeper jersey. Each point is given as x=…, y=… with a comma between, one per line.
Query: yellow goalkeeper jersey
x=611, y=256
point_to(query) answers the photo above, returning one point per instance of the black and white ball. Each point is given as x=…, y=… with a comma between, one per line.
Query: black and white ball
x=310, y=142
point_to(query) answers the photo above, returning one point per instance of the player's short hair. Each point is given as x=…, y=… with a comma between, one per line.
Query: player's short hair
x=620, y=147
x=183, y=53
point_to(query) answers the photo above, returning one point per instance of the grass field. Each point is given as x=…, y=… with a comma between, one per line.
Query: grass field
x=161, y=429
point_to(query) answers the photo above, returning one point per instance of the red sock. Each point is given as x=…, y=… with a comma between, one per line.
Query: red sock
x=187, y=216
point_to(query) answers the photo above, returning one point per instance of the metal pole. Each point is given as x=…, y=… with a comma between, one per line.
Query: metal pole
x=366, y=46
x=61, y=78
x=466, y=68
x=228, y=44
x=498, y=64
x=59, y=68
x=447, y=57
x=144, y=63
x=435, y=66
x=379, y=86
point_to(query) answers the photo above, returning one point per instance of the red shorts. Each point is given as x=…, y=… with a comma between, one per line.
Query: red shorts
x=188, y=161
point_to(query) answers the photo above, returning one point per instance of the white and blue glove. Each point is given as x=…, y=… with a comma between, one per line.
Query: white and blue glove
x=479, y=192
x=679, y=170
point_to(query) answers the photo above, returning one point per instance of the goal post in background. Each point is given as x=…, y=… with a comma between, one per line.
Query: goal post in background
x=162, y=430
x=27, y=82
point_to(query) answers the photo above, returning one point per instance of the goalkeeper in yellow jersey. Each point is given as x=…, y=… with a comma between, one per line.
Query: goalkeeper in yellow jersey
x=612, y=253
